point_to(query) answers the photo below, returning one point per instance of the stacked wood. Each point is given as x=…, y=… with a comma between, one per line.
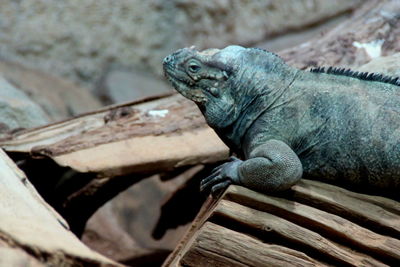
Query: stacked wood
x=110, y=149
x=315, y=224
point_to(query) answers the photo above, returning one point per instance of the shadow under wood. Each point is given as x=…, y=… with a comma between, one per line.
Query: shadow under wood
x=183, y=206
x=76, y=196
x=155, y=258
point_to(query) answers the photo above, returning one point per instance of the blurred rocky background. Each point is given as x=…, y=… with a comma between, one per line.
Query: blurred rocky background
x=113, y=49
x=59, y=59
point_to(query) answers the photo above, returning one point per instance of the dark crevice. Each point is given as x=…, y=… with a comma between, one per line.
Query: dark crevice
x=184, y=205
x=75, y=196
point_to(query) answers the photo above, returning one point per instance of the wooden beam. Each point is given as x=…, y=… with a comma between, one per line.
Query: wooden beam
x=32, y=229
x=148, y=136
x=219, y=246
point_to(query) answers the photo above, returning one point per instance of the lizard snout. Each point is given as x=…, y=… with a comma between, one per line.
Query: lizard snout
x=168, y=59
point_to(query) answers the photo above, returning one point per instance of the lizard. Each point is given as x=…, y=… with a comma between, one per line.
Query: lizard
x=283, y=123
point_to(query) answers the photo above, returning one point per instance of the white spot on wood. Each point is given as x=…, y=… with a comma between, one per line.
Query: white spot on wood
x=158, y=113
x=373, y=49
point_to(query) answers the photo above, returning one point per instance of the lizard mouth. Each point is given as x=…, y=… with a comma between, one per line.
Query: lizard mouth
x=186, y=87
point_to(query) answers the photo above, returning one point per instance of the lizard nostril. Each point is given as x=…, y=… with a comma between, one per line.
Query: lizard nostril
x=167, y=59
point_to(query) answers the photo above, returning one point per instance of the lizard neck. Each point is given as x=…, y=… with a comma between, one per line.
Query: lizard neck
x=270, y=96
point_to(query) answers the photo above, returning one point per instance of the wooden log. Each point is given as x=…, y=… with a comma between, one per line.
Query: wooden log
x=336, y=227
x=219, y=246
x=150, y=136
x=376, y=212
x=117, y=147
x=327, y=238
x=32, y=229
x=270, y=225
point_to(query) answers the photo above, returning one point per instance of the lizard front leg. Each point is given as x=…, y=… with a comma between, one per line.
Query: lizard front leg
x=272, y=166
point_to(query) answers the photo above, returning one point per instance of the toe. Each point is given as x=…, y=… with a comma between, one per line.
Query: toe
x=215, y=190
x=211, y=182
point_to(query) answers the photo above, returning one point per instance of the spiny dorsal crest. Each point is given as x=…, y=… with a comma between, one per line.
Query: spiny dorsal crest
x=265, y=51
x=358, y=75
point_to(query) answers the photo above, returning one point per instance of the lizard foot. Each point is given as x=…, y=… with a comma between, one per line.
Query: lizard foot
x=222, y=176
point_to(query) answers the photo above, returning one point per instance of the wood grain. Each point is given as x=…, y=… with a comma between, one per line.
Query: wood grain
x=149, y=136
x=382, y=214
x=317, y=219
x=219, y=246
x=270, y=225
x=241, y=219
x=30, y=225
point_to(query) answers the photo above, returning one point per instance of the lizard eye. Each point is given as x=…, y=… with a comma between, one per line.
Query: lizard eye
x=194, y=67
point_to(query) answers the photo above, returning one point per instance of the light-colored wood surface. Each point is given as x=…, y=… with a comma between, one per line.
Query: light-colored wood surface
x=32, y=229
x=147, y=136
x=241, y=220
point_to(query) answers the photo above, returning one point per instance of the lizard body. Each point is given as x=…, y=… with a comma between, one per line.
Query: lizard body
x=285, y=123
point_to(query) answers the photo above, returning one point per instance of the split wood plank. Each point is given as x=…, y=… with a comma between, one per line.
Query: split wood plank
x=152, y=135
x=30, y=225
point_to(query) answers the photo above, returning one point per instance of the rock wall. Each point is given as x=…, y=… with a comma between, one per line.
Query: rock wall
x=17, y=110
x=58, y=97
x=79, y=39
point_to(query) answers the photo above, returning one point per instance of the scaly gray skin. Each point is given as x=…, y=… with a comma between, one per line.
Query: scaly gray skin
x=285, y=123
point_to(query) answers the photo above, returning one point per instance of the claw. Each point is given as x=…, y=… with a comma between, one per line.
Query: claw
x=211, y=182
x=218, y=187
x=233, y=158
x=222, y=176
x=218, y=168
x=210, y=177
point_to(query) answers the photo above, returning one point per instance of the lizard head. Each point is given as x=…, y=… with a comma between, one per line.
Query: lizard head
x=205, y=78
x=223, y=82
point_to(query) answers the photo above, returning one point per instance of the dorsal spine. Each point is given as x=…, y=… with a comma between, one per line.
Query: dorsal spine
x=376, y=77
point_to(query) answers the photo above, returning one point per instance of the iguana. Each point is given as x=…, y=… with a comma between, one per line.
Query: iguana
x=284, y=123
